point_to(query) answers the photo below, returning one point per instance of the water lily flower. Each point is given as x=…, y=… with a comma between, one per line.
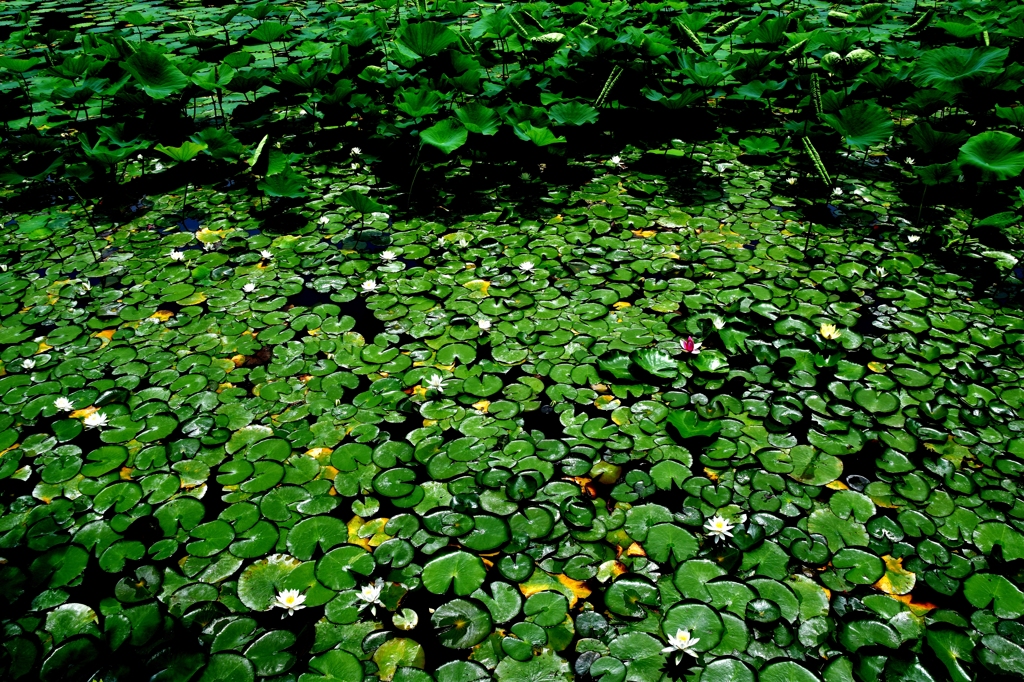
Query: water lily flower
x=371, y=595
x=290, y=600
x=838, y=191
x=370, y=285
x=829, y=332
x=266, y=254
x=690, y=346
x=248, y=287
x=719, y=527
x=527, y=266
x=718, y=322
x=209, y=246
x=681, y=643
x=3, y=267
x=28, y=363
x=94, y=420
x=791, y=181
x=909, y=160
x=177, y=255
x=914, y=238
x=63, y=404
x=879, y=271
x=463, y=242
x=616, y=160
x=324, y=220
x=356, y=151
x=436, y=383
x=484, y=324
x=86, y=287
x=388, y=255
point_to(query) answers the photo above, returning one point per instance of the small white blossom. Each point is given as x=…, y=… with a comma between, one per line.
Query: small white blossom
x=791, y=181
x=718, y=322
x=719, y=527
x=463, y=242
x=209, y=246
x=63, y=404
x=177, y=255
x=484, y=324
x=838, y=191
x=266, y=254
x=681, y=643
x=356, y=151
x=28, y=363
x=879, y=272
x=909, y=160
x=290, y=600
x=85, y=287
x=436, y=383
x=371, y=595
x=248, y=287
x=354, y=166
x=616, y=160
x=95, y=419
x=914, y=238
x=370, y=285
x=3, y=267
x=159, y=166
x=527, y=266
x=388, y=255
x=139, y=157
x=324, y=220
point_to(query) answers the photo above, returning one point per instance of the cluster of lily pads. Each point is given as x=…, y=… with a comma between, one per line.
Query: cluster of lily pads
x=725, y=407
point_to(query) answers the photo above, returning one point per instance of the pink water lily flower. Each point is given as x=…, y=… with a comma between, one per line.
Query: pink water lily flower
x=690, y=346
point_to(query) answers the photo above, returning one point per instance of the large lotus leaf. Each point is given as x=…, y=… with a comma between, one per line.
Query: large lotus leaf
x=186, y=152
x=155, y=72
x=542, y=137
x=461, y=624
x=427, y=38
x=478, y=119
x=862, y=124
x=359, y=201
x=418, y=103
x=269, y=31
x=446, y=135
x=998, y=154
x=573, y=113
x=288, y=184
x=952, y=69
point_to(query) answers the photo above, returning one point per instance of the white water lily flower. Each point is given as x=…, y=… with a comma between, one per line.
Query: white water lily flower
x=914, y=238
x=436, y=383
x=86, y=287
x=28, y=363
x=3, y=267
x=177, y=255
x=266, y=254
x=370, y=285
x=209, y=246
x=719, y=527
x=463, y=242
x=388, y=255
x=94, y=420
x=616, y=160
x=370, y=594
x=909, y=160
x=63, y=404
x=791, y=181
x=718, y=322
x=681, y=643
x=527, y=266
x=879, y=272
x=356, y=151
x=484, y=324
x=324, y=220
x=248, y=287
x=838, y=191
x=291, y=600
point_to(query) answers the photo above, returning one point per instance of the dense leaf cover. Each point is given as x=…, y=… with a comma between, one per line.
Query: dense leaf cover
x=452, y=342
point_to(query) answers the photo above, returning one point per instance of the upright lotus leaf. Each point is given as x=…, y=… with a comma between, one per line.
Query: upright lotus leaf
x=573, y=113
x=419, y=102
x=998, y=154
x=427, y=38
x=155, y=72
x=478, y=119
x=186, y=152
x=447, y=135
x=953, y=69
x=938, y=173
x=359, y=201
x=542, y=137
x=270, y=31
x=219, y=143
x=862, y=124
